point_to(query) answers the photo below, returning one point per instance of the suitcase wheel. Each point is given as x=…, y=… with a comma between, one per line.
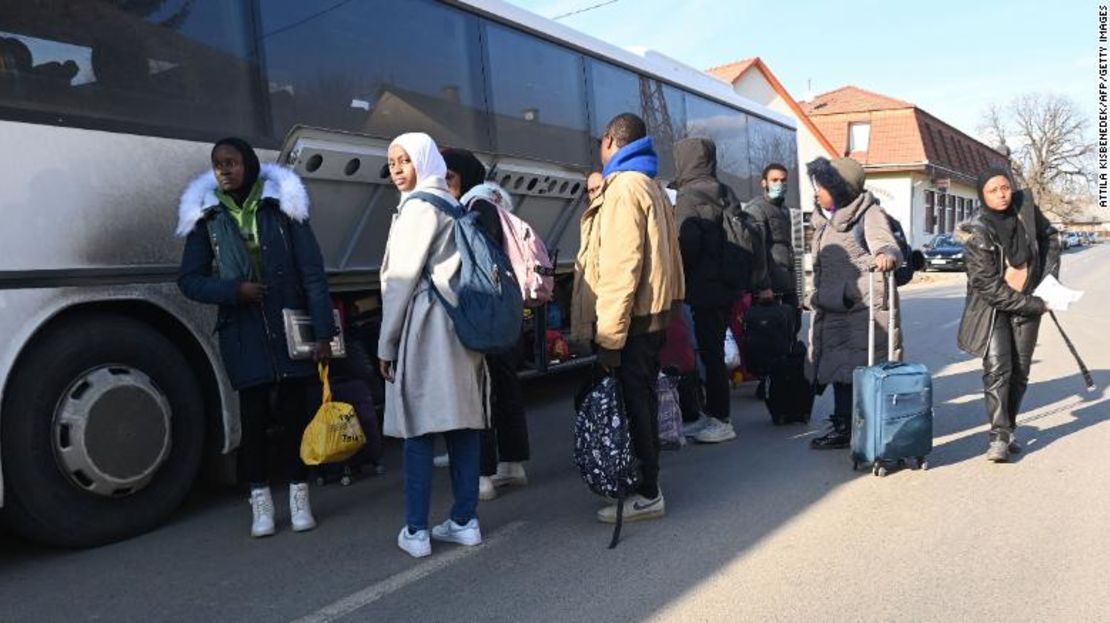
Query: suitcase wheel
x=922, y=463
x=879, y=470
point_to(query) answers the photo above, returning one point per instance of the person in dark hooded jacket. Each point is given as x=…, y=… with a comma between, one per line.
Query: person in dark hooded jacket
x=250, y=250
x=1009, y=247
x=702, y=206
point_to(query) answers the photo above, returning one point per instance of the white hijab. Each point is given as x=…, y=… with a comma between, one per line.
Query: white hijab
x=431, y=170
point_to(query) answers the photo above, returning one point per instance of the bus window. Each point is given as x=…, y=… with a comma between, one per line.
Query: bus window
x=378, y=68
x=729, y=130
x=174, y=65
x=665, y=114
x=612, y=91
x=537, y=94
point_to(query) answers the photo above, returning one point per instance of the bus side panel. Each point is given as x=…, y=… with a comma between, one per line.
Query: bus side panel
x=26, y=311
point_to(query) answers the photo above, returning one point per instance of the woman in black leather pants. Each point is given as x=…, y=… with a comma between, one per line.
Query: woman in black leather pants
x=1008, y=248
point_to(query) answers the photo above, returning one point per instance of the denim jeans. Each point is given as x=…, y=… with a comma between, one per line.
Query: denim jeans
x=464, y=448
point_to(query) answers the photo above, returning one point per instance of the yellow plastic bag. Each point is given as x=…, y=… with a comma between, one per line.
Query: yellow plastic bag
x=334, y=434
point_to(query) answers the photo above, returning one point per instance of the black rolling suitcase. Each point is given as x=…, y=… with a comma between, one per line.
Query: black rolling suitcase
x=769, y=336
x=789, y=395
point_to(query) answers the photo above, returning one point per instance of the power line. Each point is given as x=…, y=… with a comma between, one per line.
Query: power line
x=584, y=9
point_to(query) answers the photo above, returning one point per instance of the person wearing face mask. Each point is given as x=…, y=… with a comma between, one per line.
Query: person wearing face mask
x=772, y=217
x=1009, y=247
x=434, y=384
x=249, y=249
x=841, y=294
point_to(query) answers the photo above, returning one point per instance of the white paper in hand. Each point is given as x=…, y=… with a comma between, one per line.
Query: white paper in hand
x=1058, y=297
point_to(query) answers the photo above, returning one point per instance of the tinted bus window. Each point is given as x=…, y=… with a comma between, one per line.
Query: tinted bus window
x=172, y=64
x=665, y=115
x=376, y=67
x=537, y=95
x=612, y=91
x=729, y=130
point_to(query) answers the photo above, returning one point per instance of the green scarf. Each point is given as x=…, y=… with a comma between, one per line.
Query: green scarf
x=237, y=231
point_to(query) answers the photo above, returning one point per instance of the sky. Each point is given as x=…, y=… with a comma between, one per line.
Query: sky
x=951, y=58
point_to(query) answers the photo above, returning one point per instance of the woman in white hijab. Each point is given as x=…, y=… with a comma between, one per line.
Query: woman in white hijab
x=435, y=385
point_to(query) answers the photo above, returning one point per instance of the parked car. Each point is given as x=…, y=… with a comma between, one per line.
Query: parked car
x=1072, y=239
x=944, y=252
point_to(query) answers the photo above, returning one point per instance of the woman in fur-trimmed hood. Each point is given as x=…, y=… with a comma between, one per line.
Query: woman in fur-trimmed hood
x=845, y=216
x=250, y=251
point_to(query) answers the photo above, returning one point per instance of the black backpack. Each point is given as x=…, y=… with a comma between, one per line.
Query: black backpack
x=603, y=444
x=743, y=244
x=904, y=273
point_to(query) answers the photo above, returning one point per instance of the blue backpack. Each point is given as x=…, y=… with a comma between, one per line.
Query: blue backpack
x=490, y=310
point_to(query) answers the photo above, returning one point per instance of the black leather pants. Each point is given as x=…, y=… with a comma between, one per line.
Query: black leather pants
x=1006, y=370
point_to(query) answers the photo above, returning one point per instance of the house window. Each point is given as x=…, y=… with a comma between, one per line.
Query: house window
x=930, y=212
x=859, y=135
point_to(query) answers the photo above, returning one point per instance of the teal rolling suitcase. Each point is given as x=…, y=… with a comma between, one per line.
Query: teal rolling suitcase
x=892, y=406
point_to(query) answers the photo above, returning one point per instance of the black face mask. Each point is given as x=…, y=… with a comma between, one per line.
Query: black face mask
x=1005, y=223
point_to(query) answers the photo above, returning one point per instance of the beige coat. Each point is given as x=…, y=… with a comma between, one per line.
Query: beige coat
x=628, y=271
x=840, y=298
x=439, y=385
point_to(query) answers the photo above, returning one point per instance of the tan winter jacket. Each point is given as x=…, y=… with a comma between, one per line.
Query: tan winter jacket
x=628, y=272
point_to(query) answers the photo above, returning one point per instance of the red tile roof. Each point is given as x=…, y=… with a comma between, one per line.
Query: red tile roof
x=901, y=133
x=731, y=72
x=851, y=99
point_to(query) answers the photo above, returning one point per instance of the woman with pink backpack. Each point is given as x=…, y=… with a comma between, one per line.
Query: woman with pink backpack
x=505, y=445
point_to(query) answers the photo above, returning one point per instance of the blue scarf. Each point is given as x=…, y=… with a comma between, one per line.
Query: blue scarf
x=636, y=156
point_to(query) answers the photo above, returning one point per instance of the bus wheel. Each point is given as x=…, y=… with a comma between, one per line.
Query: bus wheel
x=102, y=432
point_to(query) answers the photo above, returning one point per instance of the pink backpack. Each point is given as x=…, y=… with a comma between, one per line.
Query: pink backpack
x=531, y=263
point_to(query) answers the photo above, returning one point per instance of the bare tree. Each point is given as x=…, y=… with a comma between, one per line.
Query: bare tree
x=1049, y=149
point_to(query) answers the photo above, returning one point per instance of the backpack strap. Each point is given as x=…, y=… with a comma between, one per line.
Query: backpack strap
x=455, y=212
x=620, y=522
x=858, y=230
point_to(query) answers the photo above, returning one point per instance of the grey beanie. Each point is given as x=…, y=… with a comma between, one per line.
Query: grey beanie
x=851, y=172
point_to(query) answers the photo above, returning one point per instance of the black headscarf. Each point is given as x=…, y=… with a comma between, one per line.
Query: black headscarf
x=251, y=166
x=470, y=170
x=1005, y=223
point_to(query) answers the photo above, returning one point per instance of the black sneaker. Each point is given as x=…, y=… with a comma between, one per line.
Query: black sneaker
x=838, y=438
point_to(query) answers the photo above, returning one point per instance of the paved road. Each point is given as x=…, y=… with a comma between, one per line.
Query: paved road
x=760, y=529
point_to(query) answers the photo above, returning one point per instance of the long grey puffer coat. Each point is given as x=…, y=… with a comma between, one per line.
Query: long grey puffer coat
x=439, y=385
x=841, y=267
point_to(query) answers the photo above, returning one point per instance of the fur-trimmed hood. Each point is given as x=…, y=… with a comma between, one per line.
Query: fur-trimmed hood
x=278, y=182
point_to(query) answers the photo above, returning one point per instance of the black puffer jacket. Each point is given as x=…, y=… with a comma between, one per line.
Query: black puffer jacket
x=987, y=291
x=702, y=205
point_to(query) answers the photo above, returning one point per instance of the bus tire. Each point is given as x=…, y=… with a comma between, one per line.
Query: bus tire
x=102, y=432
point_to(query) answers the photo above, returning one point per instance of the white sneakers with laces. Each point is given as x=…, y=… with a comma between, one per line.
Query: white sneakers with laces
x=510, y=475
x=299, y=509
x=451, y=532
x=415, y=544
x=262, y=509
x=486, y=489
x=715, y=431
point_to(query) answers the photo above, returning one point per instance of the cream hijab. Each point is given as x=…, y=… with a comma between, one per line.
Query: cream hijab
x=431, y=170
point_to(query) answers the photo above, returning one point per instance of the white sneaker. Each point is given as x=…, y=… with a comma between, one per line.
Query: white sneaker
x=299, y=509
x=510, y=475
x=416, y=545
x=486, y=489
x=441, y=460
x=449, y=531
x=262, y=507
x=695, y=427
x=715, y=431
x=636, y=508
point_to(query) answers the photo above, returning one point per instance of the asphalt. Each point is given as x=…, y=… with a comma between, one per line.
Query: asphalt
x=758, y=529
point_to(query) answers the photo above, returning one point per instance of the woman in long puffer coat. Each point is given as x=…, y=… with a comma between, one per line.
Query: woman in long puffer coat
x=847, y=215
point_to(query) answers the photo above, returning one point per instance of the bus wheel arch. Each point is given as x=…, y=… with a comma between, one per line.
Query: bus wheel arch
x=121, y=369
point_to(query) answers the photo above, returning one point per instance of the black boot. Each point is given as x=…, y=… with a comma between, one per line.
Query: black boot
x=838, y=437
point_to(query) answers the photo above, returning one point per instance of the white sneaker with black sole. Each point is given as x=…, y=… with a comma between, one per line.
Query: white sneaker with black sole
x=715, y=431
x=451, y=532
x=415, y=544
x=636, y=508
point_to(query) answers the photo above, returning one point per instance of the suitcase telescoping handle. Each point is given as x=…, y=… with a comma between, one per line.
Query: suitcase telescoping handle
x=871, y=317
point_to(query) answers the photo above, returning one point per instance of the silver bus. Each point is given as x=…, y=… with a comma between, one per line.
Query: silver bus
x=111, y=392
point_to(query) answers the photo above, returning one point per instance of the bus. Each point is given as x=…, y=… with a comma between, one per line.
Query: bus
x=111, y=392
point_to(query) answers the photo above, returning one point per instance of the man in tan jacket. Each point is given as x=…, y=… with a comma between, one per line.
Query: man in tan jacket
x=628, y=274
